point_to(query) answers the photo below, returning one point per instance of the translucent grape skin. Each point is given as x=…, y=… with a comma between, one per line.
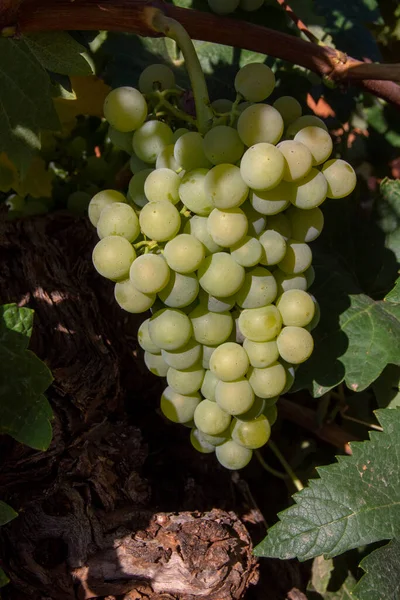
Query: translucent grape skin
x=157, y=76
x=229, y=361
x=184, y=253
x=251, y=434
x=185, y=357
x=149, y=273
x=210, y=328
x=274, y=201
x=310, y=191
x=289, y=108
x=156, y=364
x=210, y=418
x=267, y=382
x=180, y=291
x=261, y=354
x=222, y=144
x=197, y=226
x=100, y=201
x=296, y=307
x=118, y=219
x=160, y=221
x=170, y=329
x=302, y=122
x=306, y=225
x=220, y=275
x=125, y=109
x=144, y=339
x=255, y=81
x=297, y=258
x=234, y=397
x=273, y=247
x=112, y=257
x=340, y=176
x=298, y=160
x=262, y=166
x=260, y=324
x=295, y=344
x=259, y=289
x=224, y=186
x=260, y=123
x=247, y=252
x=189, y=152
x=162, y=184
x=177, y=407
x=150, y=139
x=227, y=227
x=130, y=299
x=186, y=381
x=209, y=384
x=136, y=187
x=318, y=141
x=232, y=456
x=192, y=192
x=199, y=443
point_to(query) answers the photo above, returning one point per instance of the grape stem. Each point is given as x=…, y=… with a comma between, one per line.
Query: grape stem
x=269, y=469
x=296, y=481
x=148, y=244
x=174, y=30
x=173, y=110
x=233, y=112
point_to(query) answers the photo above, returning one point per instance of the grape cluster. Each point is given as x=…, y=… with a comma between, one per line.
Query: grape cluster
x=213, y=236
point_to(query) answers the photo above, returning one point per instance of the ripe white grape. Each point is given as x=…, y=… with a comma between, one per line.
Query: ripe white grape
x=162, y=184
x=207, y=353
x=180, y=291
x=156, y=364
x=224, y=186
x=210, y=418
x=210, y=328
x=221, y=105
x=297, y=258
x=185, y=357
x=250, y=5
x=125, y=109
x=144, y=339
x=257, y=222
x=306, y=225
x=287, y=282
x=135, y=164
x=232, y=456
x=160, y=221
x=227, y=227
x=192, y=192
x=229, y=361
x=296, y=307
x=170, y=329
x=136, y=187
x=197, y=226
x=166, y=159
x=157, y=76
x=255, y=81
x=267, y=382
x=215, y=304
x=259, y=289
x=199, y=443
x=262, y=166
x=247, y=252
x=222, y=144
x=234, y=397
x=149, y=273
x=177, y=407
x=302, y=122
x=151, y=139
x=130, y=299
x=295, y=344
x=274, y=201
x=340, y=176
x=289, y=107
x=260, y=123
x=260, y=324
x=184, y=253
x=220, y=275
x=274, y=247
x=223, y=7
x=112, y=257
x=318, y=141
x=310, y=191
x=120, y=140
x=100, y=201
x=118, y=219
x=256, y=409
x=281, y=224
x=251, y=434
x=189, y=152
x=217, y=440
x=298, y=160
x=261, y=354
x=187, y=381
x=208, y=386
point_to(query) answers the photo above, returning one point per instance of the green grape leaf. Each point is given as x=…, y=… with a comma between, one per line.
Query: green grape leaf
x=26, y=105
x=345, y=592
x=394, y=294
x=356, y=501
x=59, y=52
x=7, y=513
x=381, y=579
x=25, y=411
x=321, y=573
x=387, y=387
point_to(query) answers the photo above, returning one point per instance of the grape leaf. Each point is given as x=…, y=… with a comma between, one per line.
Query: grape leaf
x=59, y=52
x=394, y=294
x=321, y=573
x=381, y=579
x=344, y=592
x=355, y=501
x=87, y=98
x=26, y=105
x=387, y=387
x=25, y=412
x=7, y=513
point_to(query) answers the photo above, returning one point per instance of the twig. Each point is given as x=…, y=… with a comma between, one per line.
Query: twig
x=360, y=422
x=307, y=418
x=301, y=26
x=296, y=481
x=266, y=466
x=135, y=16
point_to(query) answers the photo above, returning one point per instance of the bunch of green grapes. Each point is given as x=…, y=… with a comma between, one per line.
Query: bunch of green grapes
x=213, y=237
